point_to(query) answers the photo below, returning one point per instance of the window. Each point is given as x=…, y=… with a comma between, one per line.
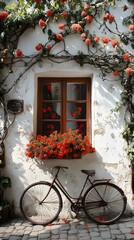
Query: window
x=64, y=103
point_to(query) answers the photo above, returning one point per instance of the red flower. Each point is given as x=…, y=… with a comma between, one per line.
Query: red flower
x=61, y=26
x=64, y=13
x=96, y=39
x=59, y=36
x=106, y=40
x=126, y=56
x=48, y=47
x=114, y=43
x=44, y=110
x=88, y=18
x=116, y=73
x=86, y=6
x=42, y=23
x=76, y=27
x=49, y=13
x=3, y=15
x=109, y=17
x=88, y=41
x=37, y=1
x=83, y=13
x=49, y=109
x=63, y=1
x=38, y=47
x=18, y=53
x=83, y=35
x=129, y=71
x=131, y=27
x=49, y=88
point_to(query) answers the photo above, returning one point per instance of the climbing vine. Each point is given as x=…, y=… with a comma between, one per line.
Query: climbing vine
x=107, y=50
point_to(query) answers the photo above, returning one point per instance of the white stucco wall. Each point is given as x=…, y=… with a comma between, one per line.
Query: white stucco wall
x=109, y=161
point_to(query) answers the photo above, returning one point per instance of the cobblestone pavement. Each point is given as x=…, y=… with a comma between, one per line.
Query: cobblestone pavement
x=76, y=229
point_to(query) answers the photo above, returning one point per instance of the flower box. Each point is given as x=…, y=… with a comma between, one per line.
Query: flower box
x=67, y=145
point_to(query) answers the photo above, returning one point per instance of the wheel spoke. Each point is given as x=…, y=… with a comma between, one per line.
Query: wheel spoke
x=104, y=203
x=39, y=204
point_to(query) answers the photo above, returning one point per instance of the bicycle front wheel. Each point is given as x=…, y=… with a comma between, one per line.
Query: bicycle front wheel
x=41, y=203
x=104, y=203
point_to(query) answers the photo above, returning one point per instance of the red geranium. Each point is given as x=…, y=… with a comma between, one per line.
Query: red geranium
x=59, y=145
x=18, y=53
x=38, y=47
x=49, y=13
x=37, y=1
x=42, y=23
x=3, y=15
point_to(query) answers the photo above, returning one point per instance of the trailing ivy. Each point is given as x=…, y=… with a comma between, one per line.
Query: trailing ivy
x=73, y=17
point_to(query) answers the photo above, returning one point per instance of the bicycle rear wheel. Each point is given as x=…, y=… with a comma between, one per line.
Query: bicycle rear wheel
x=104, y=203
x=40, y=203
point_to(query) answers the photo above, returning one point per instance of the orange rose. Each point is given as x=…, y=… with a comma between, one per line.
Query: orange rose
x=88, y=41
x=126, y=56
x=114, y=43
x=129, y=71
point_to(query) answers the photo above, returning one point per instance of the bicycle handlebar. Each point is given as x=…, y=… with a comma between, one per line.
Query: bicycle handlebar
x=59, y=167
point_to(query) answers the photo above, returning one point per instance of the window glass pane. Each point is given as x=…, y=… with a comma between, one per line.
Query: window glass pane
x=76, y=91
x=51, y=91
x=76, y=110
x=77, y=125
x=48, y=127
x=51, y=110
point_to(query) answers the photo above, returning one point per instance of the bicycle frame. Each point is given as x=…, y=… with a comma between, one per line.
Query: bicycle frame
x=71, y=199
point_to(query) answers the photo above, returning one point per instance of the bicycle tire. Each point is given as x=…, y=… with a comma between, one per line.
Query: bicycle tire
x=35, y=211
x=106, y=211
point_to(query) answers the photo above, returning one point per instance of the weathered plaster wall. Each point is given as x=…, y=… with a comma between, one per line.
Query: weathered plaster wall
x=109, y=161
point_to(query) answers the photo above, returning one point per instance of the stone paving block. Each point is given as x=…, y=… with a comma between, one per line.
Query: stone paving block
x=97, y=238
x=129, y=236
x=44, y=235
x=94, y=234
x=115, y=231
x=125, y=230
x=34, y=234
x=25, y=237
x=105, y=234
x=63, y=235
x=37, y=228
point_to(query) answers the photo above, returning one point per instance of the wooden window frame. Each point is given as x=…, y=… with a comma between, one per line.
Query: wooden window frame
x=64, y=81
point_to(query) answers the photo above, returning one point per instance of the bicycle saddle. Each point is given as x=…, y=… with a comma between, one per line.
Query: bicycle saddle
x=89, y=172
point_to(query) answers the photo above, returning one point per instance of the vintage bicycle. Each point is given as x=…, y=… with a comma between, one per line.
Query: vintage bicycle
x=103, y=202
